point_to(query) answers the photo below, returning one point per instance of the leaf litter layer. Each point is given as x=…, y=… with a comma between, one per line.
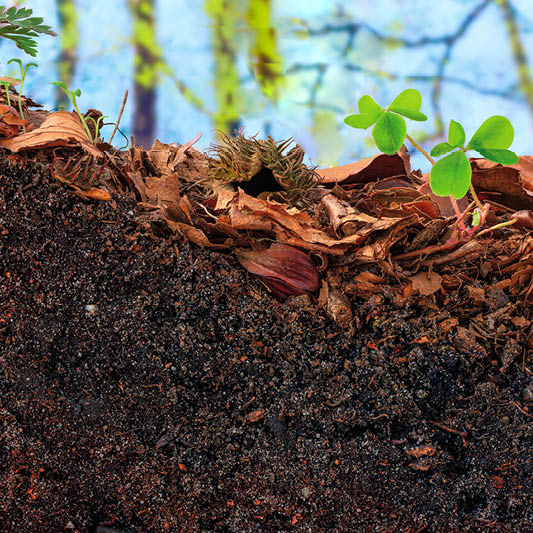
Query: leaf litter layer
x=381, y=385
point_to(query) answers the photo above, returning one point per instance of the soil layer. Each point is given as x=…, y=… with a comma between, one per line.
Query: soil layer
x=149, y=385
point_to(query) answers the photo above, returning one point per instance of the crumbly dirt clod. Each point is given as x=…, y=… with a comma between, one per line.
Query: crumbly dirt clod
x=151, y=385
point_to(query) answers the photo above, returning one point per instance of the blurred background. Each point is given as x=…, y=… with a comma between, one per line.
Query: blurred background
x=287, y=68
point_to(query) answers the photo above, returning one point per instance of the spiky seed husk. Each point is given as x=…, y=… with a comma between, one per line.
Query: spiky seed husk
x=240, y=159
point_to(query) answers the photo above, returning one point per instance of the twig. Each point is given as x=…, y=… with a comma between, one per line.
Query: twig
x=119, y=116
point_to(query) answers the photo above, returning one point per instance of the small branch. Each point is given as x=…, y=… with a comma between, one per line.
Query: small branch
x=119, y=116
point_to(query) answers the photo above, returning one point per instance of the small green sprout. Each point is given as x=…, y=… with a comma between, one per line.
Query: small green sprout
x=23, y=72
x=72, y=96
x=6, y=84
x=451, y=175
x=19, y=26
x=390, y=130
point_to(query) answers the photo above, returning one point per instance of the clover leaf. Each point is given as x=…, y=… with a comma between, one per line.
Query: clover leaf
x=456, y=134
x=451, y=175
x=492, y=139
x=390, y=129
x=389, y=133
x=408, y=103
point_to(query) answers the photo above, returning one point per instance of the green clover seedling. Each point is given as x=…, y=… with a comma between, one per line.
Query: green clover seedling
x=389, y=131
x=452, y=175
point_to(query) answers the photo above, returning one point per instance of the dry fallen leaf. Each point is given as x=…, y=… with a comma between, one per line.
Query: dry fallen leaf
x=426, y=283
x=371, y=169
x=287, y=270
x=510, y=185
x=59, y=129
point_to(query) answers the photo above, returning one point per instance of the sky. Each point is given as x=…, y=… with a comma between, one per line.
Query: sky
x=481, y=64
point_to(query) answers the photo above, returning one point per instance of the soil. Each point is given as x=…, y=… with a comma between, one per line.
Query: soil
x=150, y=385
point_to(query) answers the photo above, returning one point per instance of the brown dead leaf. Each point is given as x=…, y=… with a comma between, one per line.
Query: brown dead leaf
x=426, y=283
x=371, y=169
x=287, y=270
x=465, y=342
x=477, y=294
x=10, y=122
x=162, y=191
x=524, y=219
x=510, y=185
x=59, y=129
x=197, y=235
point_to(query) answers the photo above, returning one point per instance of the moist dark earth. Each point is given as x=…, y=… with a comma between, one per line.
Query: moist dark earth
x=149, y=385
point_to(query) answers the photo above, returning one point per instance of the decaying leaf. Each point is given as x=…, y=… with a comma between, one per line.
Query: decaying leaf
x=59, y=129
x=426, y=283
x=524, y=219
x=371, y=169
x=10, y=122
x=510, y=185
x=287, y=270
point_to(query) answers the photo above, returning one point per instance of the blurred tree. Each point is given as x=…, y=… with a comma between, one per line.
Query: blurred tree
x=519, y=51
x=225, y=19
x=148, y=56
x=68, y=38
x=265, y=59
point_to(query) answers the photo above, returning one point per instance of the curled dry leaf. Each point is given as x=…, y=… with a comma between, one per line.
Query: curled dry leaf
x=510, y=185
x=59, y=129
x=524, y=219
x=10, y=122
x=371, y=169
x=287, y=270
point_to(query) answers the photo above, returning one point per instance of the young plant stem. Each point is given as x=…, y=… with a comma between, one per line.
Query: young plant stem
x=420, y=149
x=432, y=161
x=475, y=197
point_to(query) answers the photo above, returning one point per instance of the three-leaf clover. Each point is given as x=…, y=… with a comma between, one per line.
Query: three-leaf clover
x=451, y=175
x=390, y=130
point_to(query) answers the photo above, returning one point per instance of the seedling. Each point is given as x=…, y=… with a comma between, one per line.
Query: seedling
x=23, y=72
x=19, y=26
x=72, y=96
x=450, y=176
x=6, y=84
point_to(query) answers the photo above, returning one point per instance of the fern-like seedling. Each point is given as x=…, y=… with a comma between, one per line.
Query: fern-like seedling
x=19, y=26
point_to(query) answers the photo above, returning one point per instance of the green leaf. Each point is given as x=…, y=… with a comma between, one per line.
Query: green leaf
x=413, y=115
x=496, y=132
x=451, y=175
x=504, y=157
x=441, y=149
x=362, y=121
x=476, y=218
x=369, y=112
x=389, y=133
x=367, y=105
x=408, y=103
x=456, y=134
x=59, y=84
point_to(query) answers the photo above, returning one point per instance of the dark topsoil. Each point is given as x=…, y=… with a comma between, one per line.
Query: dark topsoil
x=188, y=399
